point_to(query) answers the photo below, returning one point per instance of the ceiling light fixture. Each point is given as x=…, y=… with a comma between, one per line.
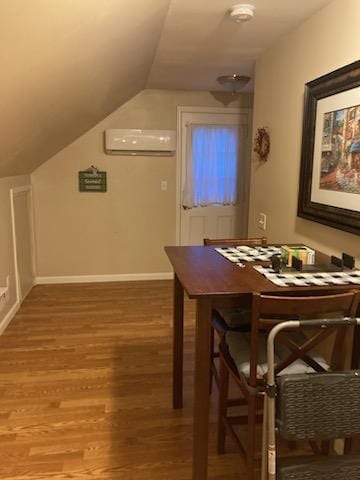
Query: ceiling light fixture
x=241, y=12
x=233, y=83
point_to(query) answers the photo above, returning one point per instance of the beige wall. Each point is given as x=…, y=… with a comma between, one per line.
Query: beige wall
x=323, y=43
x=6, y=240
x=124, y=230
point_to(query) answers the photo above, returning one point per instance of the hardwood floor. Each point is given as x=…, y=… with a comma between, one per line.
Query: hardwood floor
x=85, y=388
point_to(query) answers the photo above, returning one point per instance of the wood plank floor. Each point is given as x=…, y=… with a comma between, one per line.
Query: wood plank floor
x=85, y=388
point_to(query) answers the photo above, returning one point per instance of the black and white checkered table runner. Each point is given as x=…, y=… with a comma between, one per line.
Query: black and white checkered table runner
x=306, y=279
x=248, y=254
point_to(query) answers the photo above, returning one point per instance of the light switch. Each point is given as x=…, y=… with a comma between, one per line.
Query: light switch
x=163, y=185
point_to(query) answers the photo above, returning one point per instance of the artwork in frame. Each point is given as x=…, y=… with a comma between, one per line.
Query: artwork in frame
x=329, y=190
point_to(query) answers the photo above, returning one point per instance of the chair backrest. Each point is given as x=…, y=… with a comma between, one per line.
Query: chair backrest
x=251, y=242
x=320, y=406
x=267, y=310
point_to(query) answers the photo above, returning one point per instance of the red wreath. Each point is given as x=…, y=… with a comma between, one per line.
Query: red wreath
x=262, y=143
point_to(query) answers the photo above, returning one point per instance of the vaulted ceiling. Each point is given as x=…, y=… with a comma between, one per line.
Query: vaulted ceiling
x=199, y=42
x=67, y=64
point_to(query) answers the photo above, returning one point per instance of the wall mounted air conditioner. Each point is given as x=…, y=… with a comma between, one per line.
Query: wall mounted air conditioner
x=140, y=142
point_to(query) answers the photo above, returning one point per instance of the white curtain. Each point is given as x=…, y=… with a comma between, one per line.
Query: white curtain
x=211, y=165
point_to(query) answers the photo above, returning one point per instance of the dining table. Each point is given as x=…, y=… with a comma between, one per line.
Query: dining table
x=213, y=282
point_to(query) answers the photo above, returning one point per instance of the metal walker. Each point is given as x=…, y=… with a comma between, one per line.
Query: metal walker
x=313, y=406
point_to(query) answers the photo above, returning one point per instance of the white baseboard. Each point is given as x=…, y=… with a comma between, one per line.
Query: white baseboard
x=8, y=317
x=118, y=277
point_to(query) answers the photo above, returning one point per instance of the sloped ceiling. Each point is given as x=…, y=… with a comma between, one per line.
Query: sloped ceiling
x=67, y=64
x=199, y=42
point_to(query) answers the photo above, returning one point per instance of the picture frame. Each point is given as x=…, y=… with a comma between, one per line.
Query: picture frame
x=329, y=187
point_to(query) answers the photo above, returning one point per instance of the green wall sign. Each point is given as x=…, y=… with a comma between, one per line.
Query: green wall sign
x=92, y=180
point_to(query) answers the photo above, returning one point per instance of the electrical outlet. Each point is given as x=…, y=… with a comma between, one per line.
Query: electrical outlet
x=7, y=296
x=262, y=221
x=163, y=185
x=3, y=297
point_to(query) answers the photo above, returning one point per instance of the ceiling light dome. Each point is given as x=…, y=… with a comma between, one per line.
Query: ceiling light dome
x=241, y=12
x=233, y=82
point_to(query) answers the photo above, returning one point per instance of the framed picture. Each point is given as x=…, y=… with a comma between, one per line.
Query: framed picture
x=329, y=191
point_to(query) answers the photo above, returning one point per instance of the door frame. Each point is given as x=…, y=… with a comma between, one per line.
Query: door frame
x=14, y=192
x=208, y=110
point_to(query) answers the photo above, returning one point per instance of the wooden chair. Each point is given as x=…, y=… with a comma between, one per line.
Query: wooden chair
x=243, y=356
x=251, y=242
x=228, y=319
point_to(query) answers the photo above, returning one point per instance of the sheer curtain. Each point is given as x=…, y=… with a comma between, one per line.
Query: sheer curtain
x=211, y=165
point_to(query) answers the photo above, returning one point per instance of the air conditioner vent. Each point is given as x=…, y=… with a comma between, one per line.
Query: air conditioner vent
x=140, y=142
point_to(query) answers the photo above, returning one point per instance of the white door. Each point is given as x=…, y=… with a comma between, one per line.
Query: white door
x=215, y=221
x=21, y=205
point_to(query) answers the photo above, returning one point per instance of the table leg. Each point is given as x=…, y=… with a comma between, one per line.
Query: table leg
x=178, y=341
x=201, y=388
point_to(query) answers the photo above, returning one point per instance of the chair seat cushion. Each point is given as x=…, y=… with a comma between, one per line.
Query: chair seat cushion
x=239, y=349
x=235, y=318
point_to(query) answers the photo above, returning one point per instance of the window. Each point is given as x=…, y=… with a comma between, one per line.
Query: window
x=211, y=171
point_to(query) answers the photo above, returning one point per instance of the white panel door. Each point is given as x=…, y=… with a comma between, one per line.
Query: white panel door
x=216, y=221
x=23, y=239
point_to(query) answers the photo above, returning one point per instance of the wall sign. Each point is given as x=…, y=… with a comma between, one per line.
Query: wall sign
x=92, y=180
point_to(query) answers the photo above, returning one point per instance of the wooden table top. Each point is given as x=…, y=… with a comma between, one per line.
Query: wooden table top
x=204, y=272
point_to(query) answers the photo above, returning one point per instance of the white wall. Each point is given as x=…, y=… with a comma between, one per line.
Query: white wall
x=124, y=230
x=325, y=42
